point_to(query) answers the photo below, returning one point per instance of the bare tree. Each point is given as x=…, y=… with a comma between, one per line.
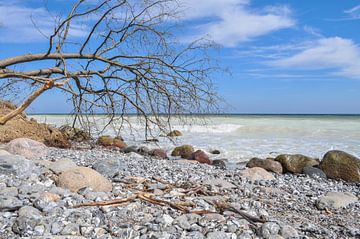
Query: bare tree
x=126, y=61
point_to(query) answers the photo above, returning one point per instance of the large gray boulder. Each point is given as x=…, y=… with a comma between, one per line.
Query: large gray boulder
x=340, y=165
x=28, y=218
x=9, y=203
x=109, y=167
x=17, y=165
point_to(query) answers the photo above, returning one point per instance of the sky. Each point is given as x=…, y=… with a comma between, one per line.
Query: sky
x=283, y=56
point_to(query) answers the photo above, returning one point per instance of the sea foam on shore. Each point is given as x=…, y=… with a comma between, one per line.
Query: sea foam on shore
x=241, y=137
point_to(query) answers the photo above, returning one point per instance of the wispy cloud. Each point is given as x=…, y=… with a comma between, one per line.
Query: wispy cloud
x=338, y=55
x=230, y=22
x=227, y=22
x=354, y=12
x=312, y=31
x=21, y=24
x=349, y=15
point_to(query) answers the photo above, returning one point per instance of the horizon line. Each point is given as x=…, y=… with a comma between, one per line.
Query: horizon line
x=217, y=114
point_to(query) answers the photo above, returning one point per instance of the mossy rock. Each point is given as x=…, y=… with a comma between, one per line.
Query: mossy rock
x=119, y=143
x=105, y=140
x=184, y=151
x=174, y=133
x=267, y=164
x=340, y=165
x=295, y=163
x=108, y=141
x=75, y=134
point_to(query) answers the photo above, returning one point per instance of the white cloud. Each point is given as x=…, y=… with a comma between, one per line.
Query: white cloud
x=230, y=22
x=21, y=24
x=338, y=55
x=227, y=22
x=352, y=14
x=312, y=31
x=353, y=11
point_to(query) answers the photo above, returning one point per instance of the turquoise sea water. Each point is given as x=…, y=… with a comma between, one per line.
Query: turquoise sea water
x=241, y=137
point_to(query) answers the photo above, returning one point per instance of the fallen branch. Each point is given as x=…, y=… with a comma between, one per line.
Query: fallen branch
x=224, y=206
x=106, y=203
x=221, y=207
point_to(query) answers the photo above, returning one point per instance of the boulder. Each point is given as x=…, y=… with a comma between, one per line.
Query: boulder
x=28, y=218
x=256, y=173
x=270, y=230
x=9, y=203
x=119, y=137
x=314, y=172
x=22, y=127
x=108, y=141
x=158, y=153
x=267, y=164
x=336, y=200
x=215, y=151
x=81, y=177
x=340, y=165
x=186, y=161
x=288, y=232
x=184, y=151
x=201, y=157
x=130, y=149
x=46, y=201
x=295, y=163
x=153, y=140
x=119, y=143
x=61, y=165
x=17, y=165
x=143, y=150
x=217, y=235
x=4, y=152
x=75, y=134
x=174, y=133
x=219, y=163
x=110, y=167
x=28, y=148
x=57, y=139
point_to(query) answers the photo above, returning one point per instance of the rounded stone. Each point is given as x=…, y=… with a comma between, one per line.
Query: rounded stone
x=340, y=165
x=314, y=172
x=295, y=163
x=82, y=177
x=183, y=151
x=28, y=148
x=174, y=133
x=267, y=164
x=256, y=173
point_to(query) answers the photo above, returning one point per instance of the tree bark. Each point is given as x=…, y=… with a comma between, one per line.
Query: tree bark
x=26, y=103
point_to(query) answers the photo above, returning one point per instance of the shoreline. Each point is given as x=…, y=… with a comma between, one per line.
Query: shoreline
x=288, y=203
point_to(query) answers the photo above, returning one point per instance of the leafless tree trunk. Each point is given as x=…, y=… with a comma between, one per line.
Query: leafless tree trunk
x=127, y=62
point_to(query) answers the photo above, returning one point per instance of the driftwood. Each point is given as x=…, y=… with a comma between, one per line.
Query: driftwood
x=146, y=197
x=226, y=207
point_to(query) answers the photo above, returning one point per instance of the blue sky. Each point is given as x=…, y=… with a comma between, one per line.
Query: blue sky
x=284, y=56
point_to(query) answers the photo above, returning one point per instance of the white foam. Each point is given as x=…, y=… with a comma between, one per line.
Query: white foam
x=242, y=137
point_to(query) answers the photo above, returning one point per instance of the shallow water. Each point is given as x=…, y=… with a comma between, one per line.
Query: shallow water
x=241, y=137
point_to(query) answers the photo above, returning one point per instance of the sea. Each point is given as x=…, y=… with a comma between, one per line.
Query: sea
x=241, y=137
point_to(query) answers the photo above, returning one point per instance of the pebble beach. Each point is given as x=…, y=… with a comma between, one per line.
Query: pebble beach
x=140, y=196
